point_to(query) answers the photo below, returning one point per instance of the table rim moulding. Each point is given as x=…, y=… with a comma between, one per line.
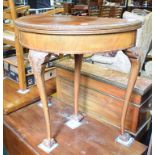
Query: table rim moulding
x=84, y=26
x=76, y=38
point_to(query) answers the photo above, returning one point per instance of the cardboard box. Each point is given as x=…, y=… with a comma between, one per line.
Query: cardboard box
x=11, y=70
x=10, y=63
x=30, y=80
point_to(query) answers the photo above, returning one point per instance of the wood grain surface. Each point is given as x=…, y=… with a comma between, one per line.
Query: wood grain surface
x=76, y=24
x=104, y=93
x=76, y=35
x=103, y=107
x=106, y=76
x=13, y=101
x=77, y=44
x=92, y=138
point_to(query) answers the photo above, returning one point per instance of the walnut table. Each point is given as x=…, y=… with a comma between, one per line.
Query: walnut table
x=46, y=35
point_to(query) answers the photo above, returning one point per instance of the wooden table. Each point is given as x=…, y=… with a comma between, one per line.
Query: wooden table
x=46, y=35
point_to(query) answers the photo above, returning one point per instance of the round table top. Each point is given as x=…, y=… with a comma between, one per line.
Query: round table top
x=75, y=24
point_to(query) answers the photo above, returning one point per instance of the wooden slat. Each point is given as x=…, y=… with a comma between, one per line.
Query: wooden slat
x=22, y=8
x=119, y=79
x=6, y=15
x=18, y=9
x=5, y=3
x=59, y=10
x=106, y=9
x=118, y=10
x=9, y=42
x=118, y=13
x=13, y=60
x=51, y=12
x=105, y=15
x=110, y=11
x=7, y=47
x=9, y=62
x=54, y=11
x=104, y=12
x=7, y=10
x=9, y=27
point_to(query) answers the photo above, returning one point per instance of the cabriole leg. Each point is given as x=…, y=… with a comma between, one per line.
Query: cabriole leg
x=37, y=60
x=134, y=56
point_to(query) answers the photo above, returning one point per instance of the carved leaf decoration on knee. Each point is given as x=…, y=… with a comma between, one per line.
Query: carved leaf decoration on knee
x=37, y=60
x=134, y=55
x=133, y=52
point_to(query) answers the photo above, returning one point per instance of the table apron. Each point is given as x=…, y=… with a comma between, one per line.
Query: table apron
x=77, y=44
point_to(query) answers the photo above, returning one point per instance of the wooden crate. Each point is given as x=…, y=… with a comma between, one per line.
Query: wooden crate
x=102, y=94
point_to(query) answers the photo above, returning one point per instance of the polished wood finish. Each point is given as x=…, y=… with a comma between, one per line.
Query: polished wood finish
x=102, y=94
x=135, y=66
x=78, y=63
x=92, y=138
x=76, y=35
x=14, y=143
x=72, y=25
x=64, y=32
x=13, y=101
x=37, y=61
x=100, y=42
